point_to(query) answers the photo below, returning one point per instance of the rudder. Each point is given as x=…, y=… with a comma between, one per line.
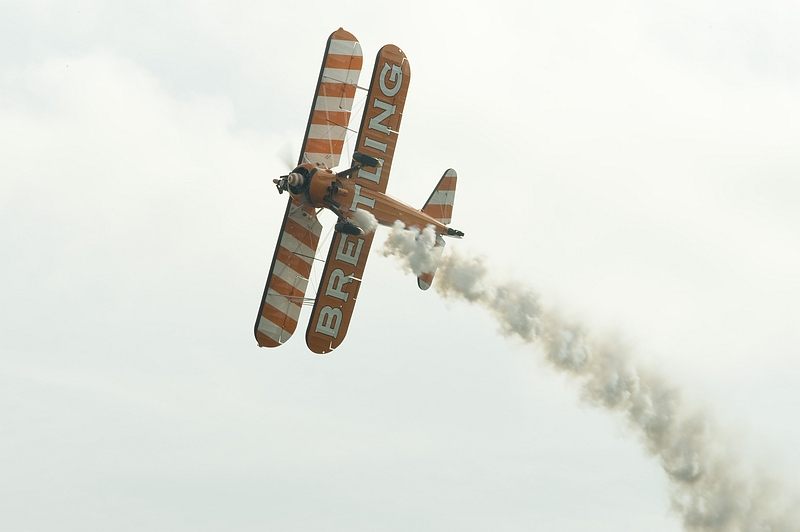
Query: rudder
x=440, y=202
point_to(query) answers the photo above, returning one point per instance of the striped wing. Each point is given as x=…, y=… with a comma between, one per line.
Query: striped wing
x=333, y=100
x=288, y=276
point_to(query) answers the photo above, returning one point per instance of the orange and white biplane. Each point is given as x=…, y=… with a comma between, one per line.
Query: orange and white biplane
x=356, y=195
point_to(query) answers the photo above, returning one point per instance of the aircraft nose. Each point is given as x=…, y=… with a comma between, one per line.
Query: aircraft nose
x=295, y=180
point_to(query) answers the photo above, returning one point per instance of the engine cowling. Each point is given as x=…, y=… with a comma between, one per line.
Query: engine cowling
x=295, y=180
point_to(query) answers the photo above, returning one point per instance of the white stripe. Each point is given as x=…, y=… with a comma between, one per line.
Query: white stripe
x=340, y=75
x=273, y=331
x=328, y=160
x=310, y=222
x=333, y=103
x=297, y=247
x=442, y=197
x=345, y=48
x=288, y=306
x=327, y=132
x=284, y=272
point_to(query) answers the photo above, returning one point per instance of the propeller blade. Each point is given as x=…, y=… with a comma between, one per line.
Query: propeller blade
x=287, y=157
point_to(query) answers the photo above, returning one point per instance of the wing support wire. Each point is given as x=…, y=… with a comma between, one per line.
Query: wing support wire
x=336, y=80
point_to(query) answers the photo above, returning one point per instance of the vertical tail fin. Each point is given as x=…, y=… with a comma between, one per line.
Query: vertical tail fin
x=439, y=206
x=440, y=203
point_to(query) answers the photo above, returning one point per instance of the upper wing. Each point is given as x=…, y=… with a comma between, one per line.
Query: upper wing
x=338, y=289
x=333, y=100
x=288, y=276
x=382, y=114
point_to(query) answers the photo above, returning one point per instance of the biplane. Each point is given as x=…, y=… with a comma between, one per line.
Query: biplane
x=356, y=195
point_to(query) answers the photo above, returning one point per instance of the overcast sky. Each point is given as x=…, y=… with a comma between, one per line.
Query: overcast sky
x=636, y=164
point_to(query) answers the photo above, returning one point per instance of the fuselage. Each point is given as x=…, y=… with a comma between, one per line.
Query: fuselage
x=322, y=188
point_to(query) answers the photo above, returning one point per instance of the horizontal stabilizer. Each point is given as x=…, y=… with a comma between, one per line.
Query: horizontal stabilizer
x=425, y=280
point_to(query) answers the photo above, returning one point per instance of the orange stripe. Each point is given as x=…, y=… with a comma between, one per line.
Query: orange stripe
x=301, y=233
x=265, y=341
x=298, y=264
x=324, y=146
x=448, y=183
x=286, y=290
x=343, y=35
x=347, y=62
x=331, y=118
x=278, y=318
x=426, y=277
x=440, y=212
x=339, y=90
x=323, y=117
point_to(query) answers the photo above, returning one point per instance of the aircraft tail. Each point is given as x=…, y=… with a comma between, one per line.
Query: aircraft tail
x=440, y=203
x=439, y=206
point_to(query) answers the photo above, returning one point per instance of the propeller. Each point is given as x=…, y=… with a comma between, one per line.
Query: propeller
x=287, y=159
x=286, y=182
x=285, y=154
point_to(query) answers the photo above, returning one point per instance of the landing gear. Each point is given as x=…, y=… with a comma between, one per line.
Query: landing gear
x=348, y=229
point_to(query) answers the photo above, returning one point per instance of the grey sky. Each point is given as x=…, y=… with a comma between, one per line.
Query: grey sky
x=638, y=165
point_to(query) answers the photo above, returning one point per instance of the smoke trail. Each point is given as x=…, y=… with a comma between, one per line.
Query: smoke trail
x=709, y=489
x=365, y=220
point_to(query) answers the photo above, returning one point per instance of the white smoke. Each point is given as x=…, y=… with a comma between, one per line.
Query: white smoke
x=415, y=246
x=365, y=220
x=709, y=488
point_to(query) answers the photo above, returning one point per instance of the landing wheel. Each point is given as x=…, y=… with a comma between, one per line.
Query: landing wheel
x=348, y=228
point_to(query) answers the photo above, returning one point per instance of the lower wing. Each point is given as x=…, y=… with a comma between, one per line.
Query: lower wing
x=288, y=276
x=337, y=292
